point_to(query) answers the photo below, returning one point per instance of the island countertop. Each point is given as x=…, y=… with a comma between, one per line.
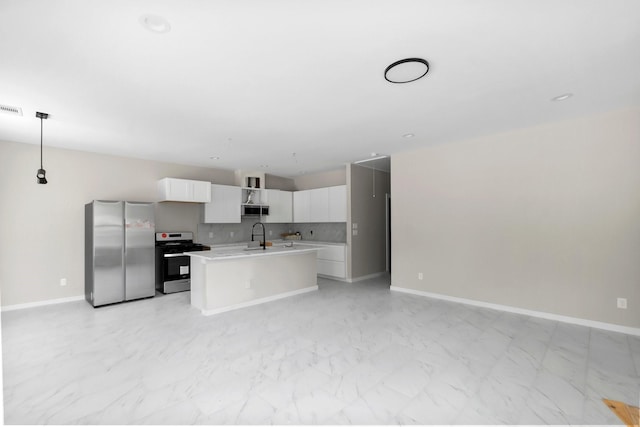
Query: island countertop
x=226, y=253
x=229, y=278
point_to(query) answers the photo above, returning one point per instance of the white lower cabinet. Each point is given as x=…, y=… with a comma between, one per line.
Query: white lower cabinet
x=331, y=268
x=331, y=260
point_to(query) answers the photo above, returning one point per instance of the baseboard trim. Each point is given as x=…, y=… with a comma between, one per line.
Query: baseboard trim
x=41, y=303
x=541, y=314
x=337, y=279
x=367, y=277
x=259, y=301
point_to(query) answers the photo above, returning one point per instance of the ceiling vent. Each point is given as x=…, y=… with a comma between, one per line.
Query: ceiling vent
x=8, y=109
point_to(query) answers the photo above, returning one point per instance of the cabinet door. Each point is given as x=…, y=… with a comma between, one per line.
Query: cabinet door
x=338, y=203
x=183, y=190
x=224, y=206
x=280, y=206
x=200, y=191
x=301, y=206
x=172, y=189
x=319, y=205
x=331, y=268
x=332, y=253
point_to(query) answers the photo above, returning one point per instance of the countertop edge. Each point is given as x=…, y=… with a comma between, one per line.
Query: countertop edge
x=216, y=256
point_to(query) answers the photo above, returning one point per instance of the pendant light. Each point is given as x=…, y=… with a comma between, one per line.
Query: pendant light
x=42, y=174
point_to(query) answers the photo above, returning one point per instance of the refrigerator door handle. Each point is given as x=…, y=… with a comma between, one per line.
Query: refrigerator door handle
x=174, y=255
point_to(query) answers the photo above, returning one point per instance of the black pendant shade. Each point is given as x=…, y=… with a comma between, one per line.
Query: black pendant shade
x=42, y=174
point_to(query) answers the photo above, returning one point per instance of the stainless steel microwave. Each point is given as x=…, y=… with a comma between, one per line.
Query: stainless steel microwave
x=255, y=210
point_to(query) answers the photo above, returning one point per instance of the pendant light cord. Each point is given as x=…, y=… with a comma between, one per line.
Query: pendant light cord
x=41, y=143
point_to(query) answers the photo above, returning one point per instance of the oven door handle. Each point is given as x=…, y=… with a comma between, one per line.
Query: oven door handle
x=174, y=255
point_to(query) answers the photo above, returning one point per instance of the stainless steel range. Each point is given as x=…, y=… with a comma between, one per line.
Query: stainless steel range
x=173, y=268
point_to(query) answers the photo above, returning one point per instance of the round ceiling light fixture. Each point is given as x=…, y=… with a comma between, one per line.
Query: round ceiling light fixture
x=408, y=135
x=155, y=24
x=406, y=70
x=562, y=97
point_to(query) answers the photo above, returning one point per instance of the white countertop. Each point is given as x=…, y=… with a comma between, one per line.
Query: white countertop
x=241, y=251
x=277, y=242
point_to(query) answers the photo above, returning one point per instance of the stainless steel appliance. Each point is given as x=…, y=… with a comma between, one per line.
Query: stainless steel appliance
x=119, y=251
x=173, y=268
x=254, y=210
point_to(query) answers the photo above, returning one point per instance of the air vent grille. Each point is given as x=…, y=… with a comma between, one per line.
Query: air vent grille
x=8, y=109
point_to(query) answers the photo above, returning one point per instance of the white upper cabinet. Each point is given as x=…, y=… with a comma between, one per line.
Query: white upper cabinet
x=338, y=203
x=183, y=190
x=280, y=206
x=301, y=206
x=224, y=206
x=327, y=204
x=319, y=205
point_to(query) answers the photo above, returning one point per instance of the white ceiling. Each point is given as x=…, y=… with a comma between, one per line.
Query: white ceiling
x=253, y=82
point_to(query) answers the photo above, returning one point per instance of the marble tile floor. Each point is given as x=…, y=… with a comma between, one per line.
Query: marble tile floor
x=346, y=354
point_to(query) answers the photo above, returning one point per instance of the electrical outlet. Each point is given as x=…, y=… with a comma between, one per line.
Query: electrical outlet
x=622, y=303
x=247, y=284
x=354, y=225
x=63, y=282
x=355, y=232
x=270, y=232
x=211, y=234
x=231, y=233
x=420, y=276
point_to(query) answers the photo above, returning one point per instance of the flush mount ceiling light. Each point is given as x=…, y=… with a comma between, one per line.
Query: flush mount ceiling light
x=408, y=135
x=406, y=70
x=155, y=24
x=214, y=158
x=562, y=97
x=42, y=174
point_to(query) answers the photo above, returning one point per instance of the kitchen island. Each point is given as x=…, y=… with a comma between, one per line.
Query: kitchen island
x=229, y=278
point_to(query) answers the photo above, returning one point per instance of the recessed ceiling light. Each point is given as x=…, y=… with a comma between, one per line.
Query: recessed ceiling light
x=562, y=97
x=264, y=166
x=406, y=70
x=155, y=24
x=214, y=158
x=408, y=135
x=374, y=154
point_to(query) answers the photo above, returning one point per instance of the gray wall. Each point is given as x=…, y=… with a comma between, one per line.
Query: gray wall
x=324, y=232
x=367, y=195
x=545, y=218
x=279, y=183
x=42, y=226
x=321, y=179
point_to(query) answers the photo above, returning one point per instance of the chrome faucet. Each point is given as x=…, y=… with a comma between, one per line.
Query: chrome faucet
x=264, y=235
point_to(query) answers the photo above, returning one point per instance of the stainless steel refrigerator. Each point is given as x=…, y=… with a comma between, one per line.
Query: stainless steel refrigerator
x=119, y=251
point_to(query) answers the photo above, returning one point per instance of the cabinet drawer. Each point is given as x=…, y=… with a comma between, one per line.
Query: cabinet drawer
x=331, y=268
x=332, y=253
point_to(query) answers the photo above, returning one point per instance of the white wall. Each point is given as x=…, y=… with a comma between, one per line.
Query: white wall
x=42, y=226
x=545, y=218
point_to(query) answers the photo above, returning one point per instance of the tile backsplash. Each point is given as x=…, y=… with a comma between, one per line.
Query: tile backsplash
x=241, y=232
